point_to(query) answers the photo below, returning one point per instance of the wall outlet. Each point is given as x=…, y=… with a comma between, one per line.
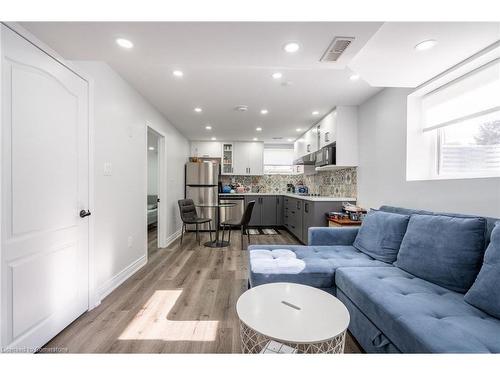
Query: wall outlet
x=108, y=169
x=130, y=241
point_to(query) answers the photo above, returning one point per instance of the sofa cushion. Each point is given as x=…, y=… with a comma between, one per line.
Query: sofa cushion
x=309, y=265
x=418, y=316
x=445, y=250
x=381, y=234
x=485, y=292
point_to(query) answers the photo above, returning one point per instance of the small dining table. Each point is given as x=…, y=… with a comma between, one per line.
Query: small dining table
x=218, y=206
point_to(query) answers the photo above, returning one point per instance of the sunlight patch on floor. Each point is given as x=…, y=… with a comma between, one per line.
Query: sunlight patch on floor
x=151, y=322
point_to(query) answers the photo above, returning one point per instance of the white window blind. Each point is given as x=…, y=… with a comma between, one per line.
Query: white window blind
x=471, y=96
x=278, y=156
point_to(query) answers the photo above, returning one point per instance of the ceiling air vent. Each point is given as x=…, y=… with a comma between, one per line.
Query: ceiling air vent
x=241, y=108
x=336, y=48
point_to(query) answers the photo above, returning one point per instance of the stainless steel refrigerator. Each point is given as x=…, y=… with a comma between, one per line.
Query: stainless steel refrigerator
x=202, y=185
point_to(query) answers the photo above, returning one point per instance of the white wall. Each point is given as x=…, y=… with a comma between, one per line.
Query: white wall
x=382, y=166
x=120, y=138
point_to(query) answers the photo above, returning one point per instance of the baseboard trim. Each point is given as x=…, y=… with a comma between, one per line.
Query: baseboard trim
x=173, y=237
x=121, y=277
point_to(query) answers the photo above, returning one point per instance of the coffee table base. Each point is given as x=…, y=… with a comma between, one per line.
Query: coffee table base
x=253, y=342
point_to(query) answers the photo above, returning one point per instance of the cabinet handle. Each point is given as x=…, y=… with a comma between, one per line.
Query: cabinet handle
x=306, y=207
x=308, y=148
x=327, y=136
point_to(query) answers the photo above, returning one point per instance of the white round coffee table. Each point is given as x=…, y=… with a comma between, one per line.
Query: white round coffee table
x=302, y=317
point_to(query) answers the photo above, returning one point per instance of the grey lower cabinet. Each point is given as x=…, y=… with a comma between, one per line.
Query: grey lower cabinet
x=296, y=215
x=266, y=211
x=314, y=215
x=300, y=214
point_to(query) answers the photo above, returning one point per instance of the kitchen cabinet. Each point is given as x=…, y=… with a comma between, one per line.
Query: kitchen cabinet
x=227, y=167
x=294, y=216
x=203, y=149
x=265, y=211
x=299, y=147
x=269, y=210
x=340, y=127
x=311, y=140
x=327, y=129
x=249, y=158
x=279, y=210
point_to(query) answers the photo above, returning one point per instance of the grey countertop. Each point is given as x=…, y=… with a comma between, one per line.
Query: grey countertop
x=297, y=196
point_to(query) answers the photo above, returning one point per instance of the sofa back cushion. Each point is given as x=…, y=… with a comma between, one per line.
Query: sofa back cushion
x=381, y=234
x=445, y=250
x=485, y=292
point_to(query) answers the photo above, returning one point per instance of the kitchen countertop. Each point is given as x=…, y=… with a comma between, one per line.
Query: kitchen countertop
x=297, y=196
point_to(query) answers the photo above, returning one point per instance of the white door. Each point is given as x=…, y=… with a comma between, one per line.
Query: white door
x=45, y=178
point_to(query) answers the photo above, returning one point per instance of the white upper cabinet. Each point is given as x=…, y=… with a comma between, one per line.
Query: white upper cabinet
x=203, y=149
x=299, y=146
x=227, y=150
x=327, y=132
x=249, y=158
x=237, y=158
x=311, y=140
x=340, y=127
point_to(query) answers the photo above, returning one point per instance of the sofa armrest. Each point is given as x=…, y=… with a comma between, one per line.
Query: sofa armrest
x=324, y=236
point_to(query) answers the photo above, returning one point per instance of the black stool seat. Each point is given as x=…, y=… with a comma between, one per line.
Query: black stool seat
x=243, y=223
x=231, y=222
x=189, y=216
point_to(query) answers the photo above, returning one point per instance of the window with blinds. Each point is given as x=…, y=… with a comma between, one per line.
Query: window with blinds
x=465, y=116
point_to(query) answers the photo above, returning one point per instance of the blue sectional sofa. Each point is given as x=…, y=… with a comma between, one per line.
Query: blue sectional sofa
x=409, y=278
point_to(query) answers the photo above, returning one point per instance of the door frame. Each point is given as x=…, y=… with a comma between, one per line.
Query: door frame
x=162, y=185
x=93, y=296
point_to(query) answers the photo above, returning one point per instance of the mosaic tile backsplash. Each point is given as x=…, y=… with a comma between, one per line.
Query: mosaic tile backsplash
x=337, y=183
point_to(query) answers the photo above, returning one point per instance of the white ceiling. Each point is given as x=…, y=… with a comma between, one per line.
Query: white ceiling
x=228, y=64
x=389, y=59
x=224, y=65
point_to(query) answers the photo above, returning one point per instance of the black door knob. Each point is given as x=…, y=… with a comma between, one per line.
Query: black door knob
x=84, y=213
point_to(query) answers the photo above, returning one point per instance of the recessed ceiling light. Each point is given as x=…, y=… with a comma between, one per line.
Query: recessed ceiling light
x=256, y=139
x=198, y=109
x=298, y=129
x=354, y=77
x=151, y=148
x=315, y=113
x=290, y=140
x=213, y=138
x=264, y=111
x=259, y=129
x=208, y=127
x=125, y=43
x=291, y=47
x=277, y=75
x=177, y=73
x=426, y=44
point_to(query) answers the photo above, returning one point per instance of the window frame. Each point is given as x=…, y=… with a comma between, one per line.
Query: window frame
x=424, y=148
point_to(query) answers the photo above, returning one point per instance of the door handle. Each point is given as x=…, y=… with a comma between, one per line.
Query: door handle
x=84, y=213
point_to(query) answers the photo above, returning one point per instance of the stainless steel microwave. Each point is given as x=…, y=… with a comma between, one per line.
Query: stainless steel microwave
x=326, y=156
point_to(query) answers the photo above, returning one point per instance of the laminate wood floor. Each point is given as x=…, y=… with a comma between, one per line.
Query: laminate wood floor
x=182, y=301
